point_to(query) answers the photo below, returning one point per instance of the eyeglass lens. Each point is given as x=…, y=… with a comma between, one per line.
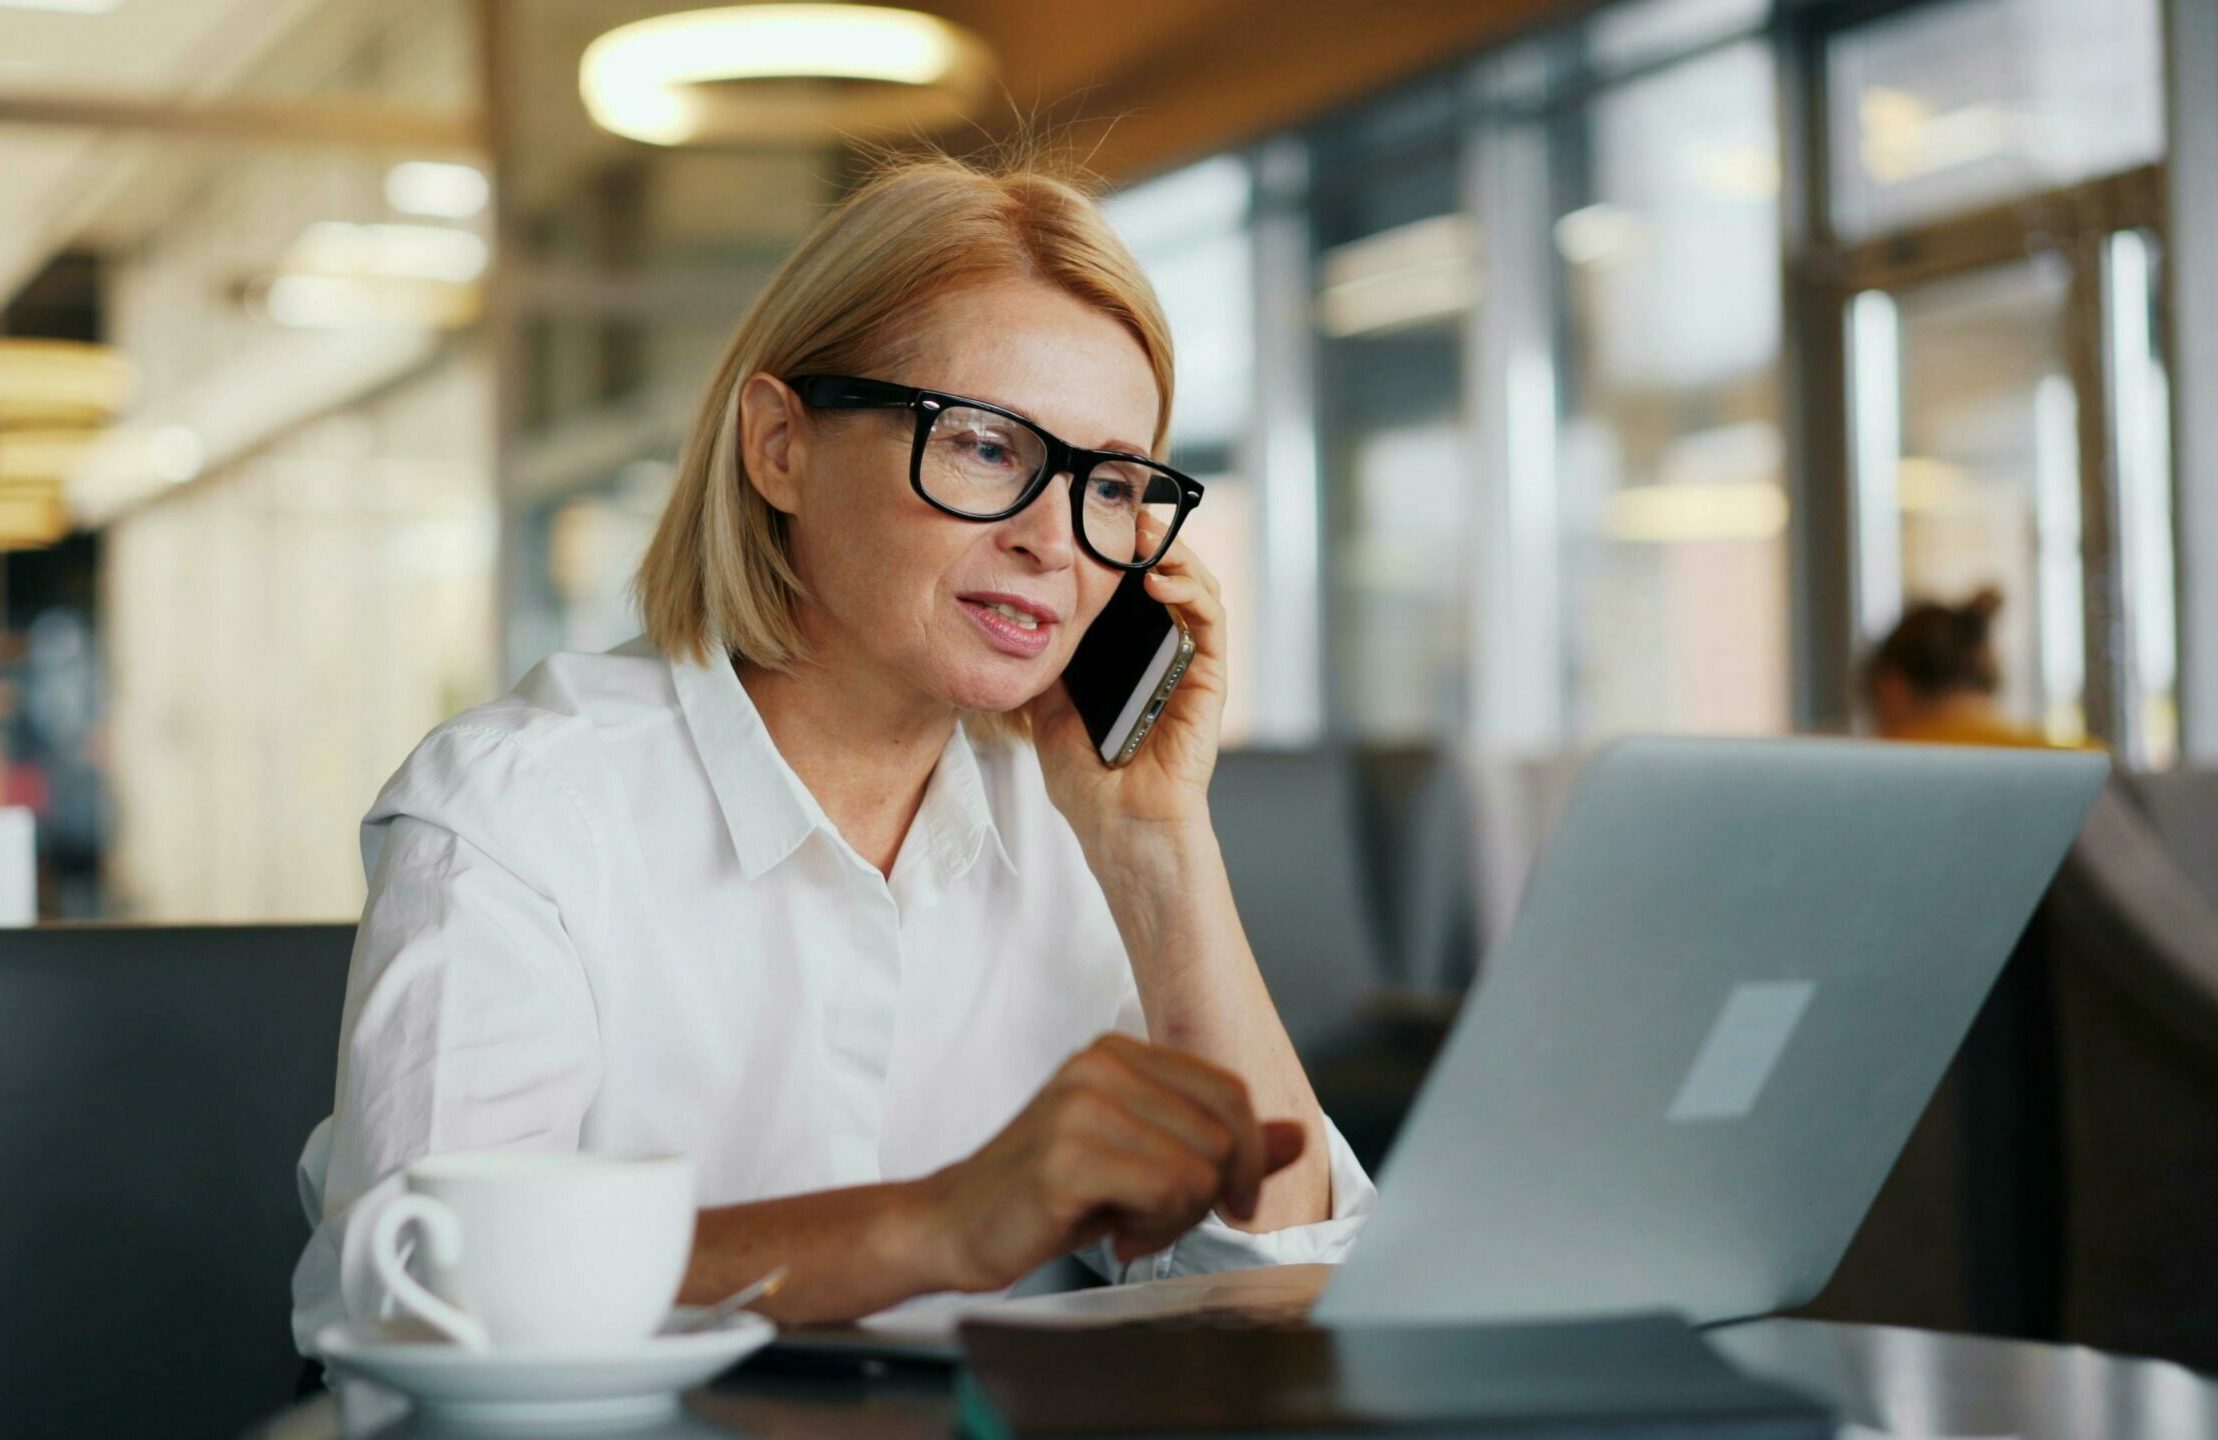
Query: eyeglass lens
x=978, y=463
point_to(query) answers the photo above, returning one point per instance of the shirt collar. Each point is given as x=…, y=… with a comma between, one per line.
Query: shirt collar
x=769, y=812
x=956, y=814
x=766, y=807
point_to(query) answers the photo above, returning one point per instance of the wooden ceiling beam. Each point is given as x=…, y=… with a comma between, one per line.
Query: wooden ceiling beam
x=1158, y=82
x=288, y=121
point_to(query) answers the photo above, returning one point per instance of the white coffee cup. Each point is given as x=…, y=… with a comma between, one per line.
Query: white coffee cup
x=540, y=1250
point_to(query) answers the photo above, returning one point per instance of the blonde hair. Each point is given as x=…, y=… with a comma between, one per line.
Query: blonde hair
x=718, y=574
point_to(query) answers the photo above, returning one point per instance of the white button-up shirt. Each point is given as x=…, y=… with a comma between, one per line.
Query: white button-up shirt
x=605, y=914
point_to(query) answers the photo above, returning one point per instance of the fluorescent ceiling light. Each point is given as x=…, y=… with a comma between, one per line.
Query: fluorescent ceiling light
x=67, y=7
x=1412, y=274
x=443, y=191
x=1599, y=234
x=1904, y=139
x=1396, y=302
x=1686, y=514
x=336, y=302
x=1928, y=486
x=1741, y=170
x=339, y=275
x=1745, y=450
x=318, y=302
x=397, y=252
x=648, y=80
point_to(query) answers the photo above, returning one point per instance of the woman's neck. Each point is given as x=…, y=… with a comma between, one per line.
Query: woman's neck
x=866, y=754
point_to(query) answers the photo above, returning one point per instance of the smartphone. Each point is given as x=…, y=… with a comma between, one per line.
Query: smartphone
x=1125, y=668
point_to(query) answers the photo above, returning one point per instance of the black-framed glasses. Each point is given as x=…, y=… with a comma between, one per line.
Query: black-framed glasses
x=981, y=462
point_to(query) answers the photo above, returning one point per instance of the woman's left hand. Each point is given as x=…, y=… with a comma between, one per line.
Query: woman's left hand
x=1167, y=782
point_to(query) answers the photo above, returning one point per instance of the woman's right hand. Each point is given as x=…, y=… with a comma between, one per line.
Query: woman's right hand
x=1128, y=1140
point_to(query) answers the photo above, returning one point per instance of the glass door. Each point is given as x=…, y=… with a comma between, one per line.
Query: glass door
x=2006, y=431
x=1990, y=219
x=1395, y=274
x=1967, y=470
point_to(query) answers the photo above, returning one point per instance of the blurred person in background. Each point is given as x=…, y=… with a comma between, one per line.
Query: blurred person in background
x=1934, y=678
x=60, y=720
x=821, y=880
x=50, y=708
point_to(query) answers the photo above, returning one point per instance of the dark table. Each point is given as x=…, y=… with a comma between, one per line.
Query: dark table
x=1883, y=1380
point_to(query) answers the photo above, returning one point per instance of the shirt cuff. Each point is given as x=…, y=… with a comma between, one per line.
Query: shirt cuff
x=1214, y=1245
x=335, y=1280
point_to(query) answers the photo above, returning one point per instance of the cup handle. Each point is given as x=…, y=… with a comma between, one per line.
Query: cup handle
x=442, y=1232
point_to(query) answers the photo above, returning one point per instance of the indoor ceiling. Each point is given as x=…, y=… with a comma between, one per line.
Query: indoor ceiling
x=1181, y=78
x=1178, y=78
x=1134, y=86
x=62, y=186
x=1137, y=85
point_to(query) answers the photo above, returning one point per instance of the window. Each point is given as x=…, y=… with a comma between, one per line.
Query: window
x=1396, y=276
x=1968, y=471
x=1669, y=470
x=1189, y=230
x=1945, y=108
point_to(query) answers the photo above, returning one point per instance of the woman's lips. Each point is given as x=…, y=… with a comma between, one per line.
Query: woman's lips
x=1006, y=634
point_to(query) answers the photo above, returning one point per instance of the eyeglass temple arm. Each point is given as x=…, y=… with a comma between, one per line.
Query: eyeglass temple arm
x=846, y=391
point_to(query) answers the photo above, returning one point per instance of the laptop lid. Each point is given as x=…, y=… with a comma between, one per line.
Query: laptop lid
x=1737, y=976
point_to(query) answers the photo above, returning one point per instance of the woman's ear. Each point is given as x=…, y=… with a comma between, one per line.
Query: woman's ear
x=772, y=440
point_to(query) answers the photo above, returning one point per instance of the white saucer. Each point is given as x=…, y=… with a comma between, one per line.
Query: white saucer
x=595, y=1385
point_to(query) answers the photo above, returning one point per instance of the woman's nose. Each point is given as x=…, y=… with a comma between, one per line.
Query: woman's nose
x=1042, y=529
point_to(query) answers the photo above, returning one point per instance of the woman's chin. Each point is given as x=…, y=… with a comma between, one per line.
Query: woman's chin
x=998, y=690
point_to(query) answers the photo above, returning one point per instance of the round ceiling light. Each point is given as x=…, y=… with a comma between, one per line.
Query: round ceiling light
x=757, y=73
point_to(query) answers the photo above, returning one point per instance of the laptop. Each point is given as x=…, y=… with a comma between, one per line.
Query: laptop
x=1738, y=973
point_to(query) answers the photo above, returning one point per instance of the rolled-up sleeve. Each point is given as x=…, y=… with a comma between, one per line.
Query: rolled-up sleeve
x=469, y=1020
x=1215, y=1245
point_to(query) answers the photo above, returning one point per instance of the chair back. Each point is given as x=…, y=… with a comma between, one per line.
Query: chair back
x=2137, y=968
x=2182, y=807
x=1291, y=830
x=2049, y=1191
x=156, y=1085
x=1422, y=866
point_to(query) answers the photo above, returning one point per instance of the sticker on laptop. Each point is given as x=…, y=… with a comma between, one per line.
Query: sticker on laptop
x=1743, y=1047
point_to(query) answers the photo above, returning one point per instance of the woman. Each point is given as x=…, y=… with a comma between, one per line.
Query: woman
x=821, y=881
x=1934, y=678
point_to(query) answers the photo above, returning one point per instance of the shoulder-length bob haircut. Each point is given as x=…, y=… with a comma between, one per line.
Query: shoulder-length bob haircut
x=718, y=575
